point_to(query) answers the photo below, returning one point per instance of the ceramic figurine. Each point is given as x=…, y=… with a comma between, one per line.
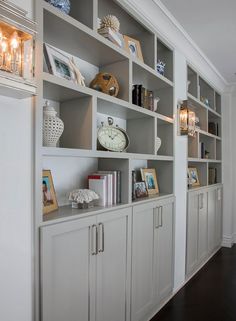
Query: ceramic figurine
x=161, y=67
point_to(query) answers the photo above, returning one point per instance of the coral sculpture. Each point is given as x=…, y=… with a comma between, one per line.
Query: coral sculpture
x=83, y=197
x=110, y=21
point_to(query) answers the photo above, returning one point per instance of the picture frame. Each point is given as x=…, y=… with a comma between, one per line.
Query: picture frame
x=58, y=63
x=48, y=193
x=140, y=189
x=149, y=176
x=193, y=179
x=133, y=47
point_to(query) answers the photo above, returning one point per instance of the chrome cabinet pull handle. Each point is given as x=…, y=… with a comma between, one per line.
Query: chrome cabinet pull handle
x=101, y=238
x=94, y=239
x=201, y=205
x=161, y=208
x=156, y=217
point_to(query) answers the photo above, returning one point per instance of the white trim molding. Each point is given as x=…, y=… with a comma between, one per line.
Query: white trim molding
x=228, y=241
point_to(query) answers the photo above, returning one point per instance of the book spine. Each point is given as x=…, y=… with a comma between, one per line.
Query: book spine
x=136, y=95
x=134, y=179
x=118, y=197
x=150, y=100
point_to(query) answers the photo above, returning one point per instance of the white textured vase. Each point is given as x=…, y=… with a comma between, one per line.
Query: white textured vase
x=158, y=144
x=53, y=126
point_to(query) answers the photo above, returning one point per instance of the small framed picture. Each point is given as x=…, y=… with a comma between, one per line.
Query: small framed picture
x=193, y=177
x=58, y=64
x=150, y=178
x=49, y=195
x=133, y=47
x=140, y=189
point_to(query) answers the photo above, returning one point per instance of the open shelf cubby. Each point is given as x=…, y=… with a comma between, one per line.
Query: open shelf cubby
x=165, y=131
x=207, y=92
x=164, y=173
x=192, y=82
x=202, y=170
x=77, y=171
x=165, y=54
x=81, y=11
x=129, y=26
x=139, y=127
x=214, y=169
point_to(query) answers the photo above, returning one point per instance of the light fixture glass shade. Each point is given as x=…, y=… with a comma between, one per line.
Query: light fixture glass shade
x=187, y=120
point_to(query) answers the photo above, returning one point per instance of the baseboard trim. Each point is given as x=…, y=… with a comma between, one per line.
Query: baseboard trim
x=228, y=241
x=181, y=286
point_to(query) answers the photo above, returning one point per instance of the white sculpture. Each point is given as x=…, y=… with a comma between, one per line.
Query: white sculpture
x=79, y=77
x=110, y=21
x=82, y=197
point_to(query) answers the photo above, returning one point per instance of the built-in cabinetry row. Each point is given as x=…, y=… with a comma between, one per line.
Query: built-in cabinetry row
x=205, y=147
x=114, y=266
x=204, y=226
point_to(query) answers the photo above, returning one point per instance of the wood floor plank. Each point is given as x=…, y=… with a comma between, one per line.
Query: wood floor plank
x=209, y=296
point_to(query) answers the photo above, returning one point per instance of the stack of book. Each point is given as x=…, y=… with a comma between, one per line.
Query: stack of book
x=143, y=97
x=113, y=36
x=107, y=184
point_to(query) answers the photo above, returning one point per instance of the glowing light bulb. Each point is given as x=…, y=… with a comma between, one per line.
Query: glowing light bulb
x=4, y=46
x=15, y=41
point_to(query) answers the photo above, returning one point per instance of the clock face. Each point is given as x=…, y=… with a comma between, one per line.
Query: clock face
x=112, y=138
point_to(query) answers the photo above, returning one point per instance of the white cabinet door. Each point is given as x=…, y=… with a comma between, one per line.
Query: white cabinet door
x=218, y=238
x=143, y=252
x=192, y=232
x=113, y=266
x=211, y=220
x=67, y=271
x=202, y=227
x=164, y=257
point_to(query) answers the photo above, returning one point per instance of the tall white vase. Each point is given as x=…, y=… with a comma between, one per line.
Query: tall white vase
x=53, y=126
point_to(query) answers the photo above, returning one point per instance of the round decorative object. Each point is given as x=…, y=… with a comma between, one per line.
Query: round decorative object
x=63, y=5
x=110, y=22
x=106, y=83
x=112, y=138
x=157, y=144
x=53, y=126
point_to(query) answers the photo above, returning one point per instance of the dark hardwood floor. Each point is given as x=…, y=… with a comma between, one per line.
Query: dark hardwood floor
x=209, y=296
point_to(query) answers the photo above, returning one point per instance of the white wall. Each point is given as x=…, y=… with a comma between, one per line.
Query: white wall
x=180, y=182
x=16, y=205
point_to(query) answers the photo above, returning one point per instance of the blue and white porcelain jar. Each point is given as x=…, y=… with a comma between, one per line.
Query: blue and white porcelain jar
x=63, y=5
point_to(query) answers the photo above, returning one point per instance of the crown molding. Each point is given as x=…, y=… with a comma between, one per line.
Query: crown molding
x=173, y=20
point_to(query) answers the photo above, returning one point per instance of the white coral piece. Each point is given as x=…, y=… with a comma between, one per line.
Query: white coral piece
x=112, y=22
x=83, y=196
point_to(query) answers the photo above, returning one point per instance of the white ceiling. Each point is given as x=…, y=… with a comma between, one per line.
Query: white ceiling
x=212, y=26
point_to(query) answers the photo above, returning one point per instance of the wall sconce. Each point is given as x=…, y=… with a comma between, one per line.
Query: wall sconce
x=17, y=38
x=187, y=120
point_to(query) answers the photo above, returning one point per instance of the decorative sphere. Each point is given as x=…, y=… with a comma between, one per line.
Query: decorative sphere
x=63, y=5
x=106, y=83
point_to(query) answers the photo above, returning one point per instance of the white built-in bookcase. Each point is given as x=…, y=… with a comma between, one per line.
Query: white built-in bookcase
x=82, y=109
x=198, y=88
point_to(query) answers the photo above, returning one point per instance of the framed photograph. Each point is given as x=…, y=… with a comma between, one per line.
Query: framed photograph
x=140, y=189
x=133, y=47
x=193, y=177
x=150, y=178
x=58, y=64
x=49, y=195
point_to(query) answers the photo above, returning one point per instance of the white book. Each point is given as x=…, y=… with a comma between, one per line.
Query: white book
x=114, y=184
x=113, y=36
x=109, y=186
x=99, y=187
